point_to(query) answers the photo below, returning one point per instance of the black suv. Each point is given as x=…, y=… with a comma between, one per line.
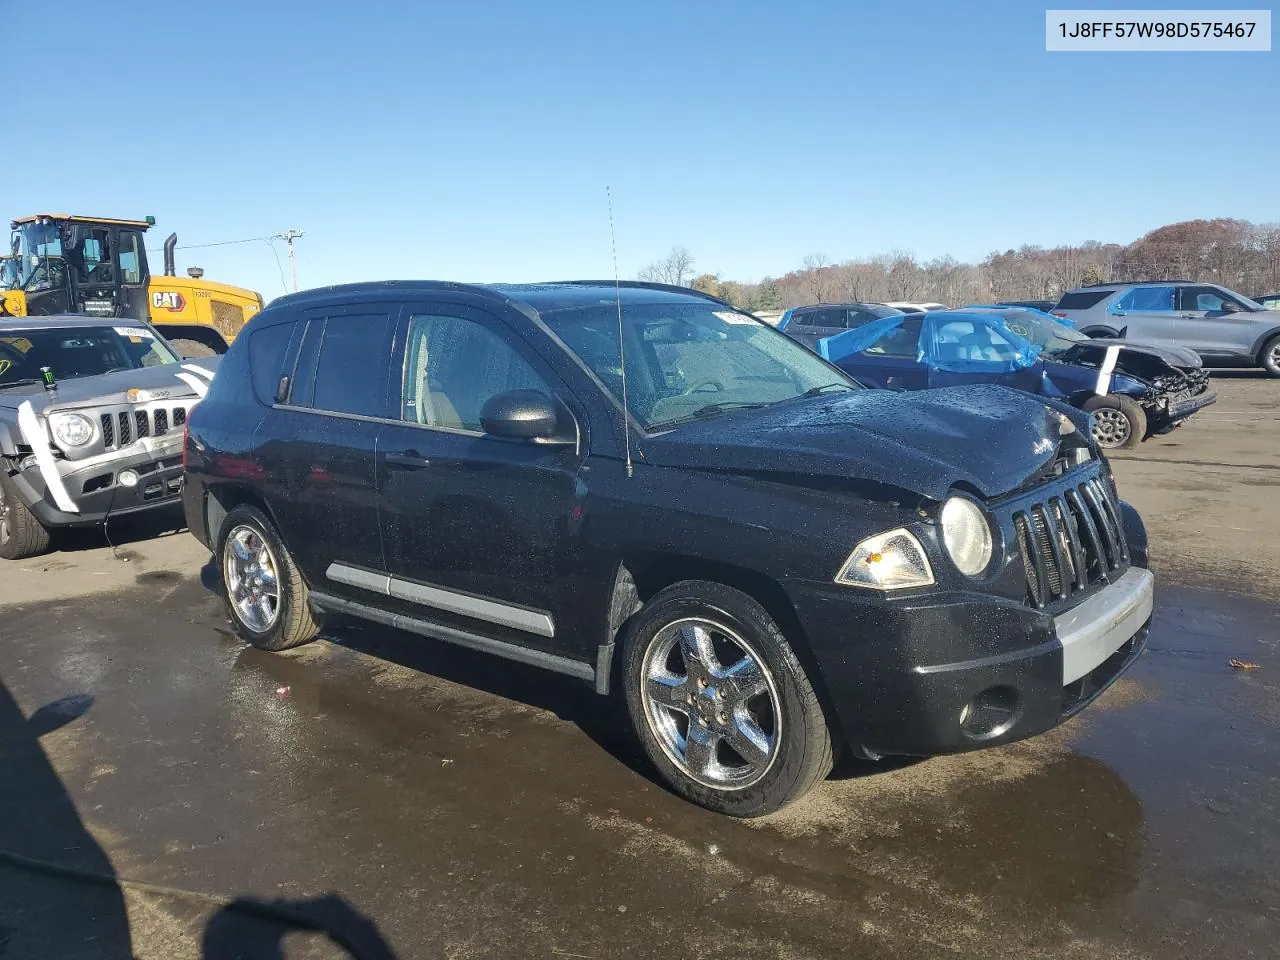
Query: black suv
x=768, y=561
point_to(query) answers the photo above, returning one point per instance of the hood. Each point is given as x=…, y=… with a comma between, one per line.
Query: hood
x=113, y=387
x=1180, y=357
x=988, y=437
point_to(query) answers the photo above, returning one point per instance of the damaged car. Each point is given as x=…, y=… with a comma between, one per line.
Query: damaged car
x=1132, y=390
x=92, y=413
x=647, y=489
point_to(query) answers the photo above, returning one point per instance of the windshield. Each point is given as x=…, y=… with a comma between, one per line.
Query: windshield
x=38, y=247
x=690, y=360
x=8, y=273
x=1044, y=331
x=72, y=352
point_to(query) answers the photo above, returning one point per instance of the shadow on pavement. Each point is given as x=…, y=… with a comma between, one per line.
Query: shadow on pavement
x=123, y=530
x=43, y=914
x=250, y=929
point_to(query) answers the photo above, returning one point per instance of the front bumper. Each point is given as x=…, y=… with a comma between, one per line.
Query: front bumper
x=95, y=489
x=1181, y=407
x=895, y=682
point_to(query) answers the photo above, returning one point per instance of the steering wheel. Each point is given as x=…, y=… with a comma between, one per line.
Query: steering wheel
x=701, y=387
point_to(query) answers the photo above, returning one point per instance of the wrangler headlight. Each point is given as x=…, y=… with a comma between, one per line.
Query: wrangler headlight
x=966, y=535
x=71, y=429
x=887, y=561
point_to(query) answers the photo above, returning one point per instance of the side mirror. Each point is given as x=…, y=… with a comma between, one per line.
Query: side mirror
x=1124, y=332
x=520, y=415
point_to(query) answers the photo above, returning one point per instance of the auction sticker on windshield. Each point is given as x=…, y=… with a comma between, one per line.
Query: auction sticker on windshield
x=734, y=318
x=137, y=333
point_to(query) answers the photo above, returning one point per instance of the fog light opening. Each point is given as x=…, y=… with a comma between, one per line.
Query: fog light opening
x=128, y=478
x=991, y=713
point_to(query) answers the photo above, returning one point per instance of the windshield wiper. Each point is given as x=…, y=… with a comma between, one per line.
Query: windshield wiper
x=20, y=383
x=711, y=410
x=818, y=391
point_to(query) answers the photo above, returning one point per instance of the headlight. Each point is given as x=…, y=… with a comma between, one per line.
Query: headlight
x=71, y=429
x=966, y=535
x=887, y=561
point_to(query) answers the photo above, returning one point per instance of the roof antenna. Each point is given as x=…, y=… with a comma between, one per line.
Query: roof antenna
x=622, y=349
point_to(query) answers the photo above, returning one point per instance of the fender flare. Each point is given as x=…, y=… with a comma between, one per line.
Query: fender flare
x=10, y=436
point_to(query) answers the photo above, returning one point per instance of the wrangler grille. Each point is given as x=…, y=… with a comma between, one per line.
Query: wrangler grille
x=1071, y=540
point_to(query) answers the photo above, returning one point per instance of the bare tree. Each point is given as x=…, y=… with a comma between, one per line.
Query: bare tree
x=818, y=265
x=675, y=268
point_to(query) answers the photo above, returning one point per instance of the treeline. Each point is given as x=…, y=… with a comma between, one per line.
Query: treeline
x=1235, y=253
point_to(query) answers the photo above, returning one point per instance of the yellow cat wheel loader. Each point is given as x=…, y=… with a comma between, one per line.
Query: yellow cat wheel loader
x=98, y=266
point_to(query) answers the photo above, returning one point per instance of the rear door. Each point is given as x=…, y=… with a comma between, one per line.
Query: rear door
x=323, y=437
x=1213, y=324
x=480, y=532
x=891, y=363
x=131, y=261
x=1147, y=313
x=813, y=325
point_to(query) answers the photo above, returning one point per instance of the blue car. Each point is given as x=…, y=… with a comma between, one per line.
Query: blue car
x=1133, y=390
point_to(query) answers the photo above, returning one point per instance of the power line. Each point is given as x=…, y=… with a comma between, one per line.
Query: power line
x=201, y=246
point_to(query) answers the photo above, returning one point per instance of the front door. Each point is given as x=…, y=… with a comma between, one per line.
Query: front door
x=321, y=439
x=973, y=350
x=1146, y=314
x=1213, y=324
x=481, y=533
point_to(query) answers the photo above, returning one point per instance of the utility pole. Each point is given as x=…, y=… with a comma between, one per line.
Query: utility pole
x=288, y=237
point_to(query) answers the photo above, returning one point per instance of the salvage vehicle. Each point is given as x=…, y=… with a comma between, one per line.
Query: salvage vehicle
x=91, y=412
x=1130, y=390
x=1224, y=328
x=97, y=266
x=642, y=487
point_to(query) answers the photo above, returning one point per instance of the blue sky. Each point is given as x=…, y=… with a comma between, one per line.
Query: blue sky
x=474, y=141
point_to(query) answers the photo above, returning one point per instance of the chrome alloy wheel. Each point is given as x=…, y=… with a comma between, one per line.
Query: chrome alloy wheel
x=1111, y=427
x=1273, y=357
x=4, y=517
x=249, y=572
x=711, y=703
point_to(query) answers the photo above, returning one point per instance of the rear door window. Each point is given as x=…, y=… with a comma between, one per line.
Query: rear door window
x=343, y=363
x=1147, y=300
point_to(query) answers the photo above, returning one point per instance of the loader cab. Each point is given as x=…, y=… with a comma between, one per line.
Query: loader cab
x=83, y=265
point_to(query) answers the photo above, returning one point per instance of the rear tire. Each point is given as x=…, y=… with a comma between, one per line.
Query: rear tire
x=1269, y=358
x=734, y=726
x=1119, y=423
x=254, y=565
x=21, y=534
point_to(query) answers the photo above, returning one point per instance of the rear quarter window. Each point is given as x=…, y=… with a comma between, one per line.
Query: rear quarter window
x=267, y=349
x=1083, y=299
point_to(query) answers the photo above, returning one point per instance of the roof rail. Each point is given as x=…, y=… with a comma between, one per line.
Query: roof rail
x=1134, y=283
x=651, y=285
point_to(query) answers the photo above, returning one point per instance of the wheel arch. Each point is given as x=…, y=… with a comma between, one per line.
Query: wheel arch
x=642, y=574
x=221, y=498
x=208, y=336
x=1262, y=341
x=1100, y=331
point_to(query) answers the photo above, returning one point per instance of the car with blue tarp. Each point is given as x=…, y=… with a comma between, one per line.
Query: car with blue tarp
x=1132, y=390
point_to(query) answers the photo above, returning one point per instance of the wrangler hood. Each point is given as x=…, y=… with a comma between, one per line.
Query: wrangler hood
x=987, y=437
x=168, y=381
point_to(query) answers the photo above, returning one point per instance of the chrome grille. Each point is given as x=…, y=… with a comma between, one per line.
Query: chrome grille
x=126, y=429
x=108, y=430
x=143, y=423
x=120, y=428
x=1069, y=541
x=161, y=422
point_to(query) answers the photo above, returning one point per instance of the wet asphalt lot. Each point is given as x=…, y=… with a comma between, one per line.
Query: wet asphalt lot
x=413, y=800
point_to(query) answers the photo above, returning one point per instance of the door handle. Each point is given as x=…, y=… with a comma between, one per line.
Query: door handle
x=409, y=459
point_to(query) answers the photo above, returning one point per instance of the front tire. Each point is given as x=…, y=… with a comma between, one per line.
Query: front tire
x=720, y=703
x=1119, y=423
x=21, y=534
x=265, y=595
x=1270, y=356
